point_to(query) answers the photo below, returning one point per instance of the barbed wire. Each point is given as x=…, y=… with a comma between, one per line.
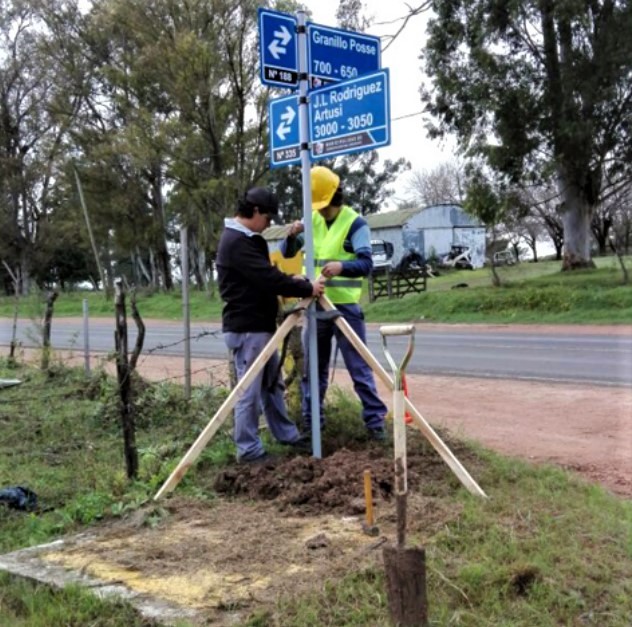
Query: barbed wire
x=110, y=356
x=199, y=336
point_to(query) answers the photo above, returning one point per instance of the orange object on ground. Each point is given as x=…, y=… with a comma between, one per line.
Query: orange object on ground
x=408, y=419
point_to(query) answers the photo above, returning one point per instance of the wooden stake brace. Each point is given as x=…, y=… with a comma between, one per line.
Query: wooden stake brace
x=437, y=443
x=223, y=412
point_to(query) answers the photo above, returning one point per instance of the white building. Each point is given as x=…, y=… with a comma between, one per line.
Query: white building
x=429, y=231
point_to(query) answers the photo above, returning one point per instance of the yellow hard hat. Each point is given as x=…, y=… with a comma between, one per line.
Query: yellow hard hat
x=324, y=186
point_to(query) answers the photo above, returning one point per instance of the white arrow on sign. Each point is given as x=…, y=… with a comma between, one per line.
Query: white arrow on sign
x=287, y=118
x=283, y=35
x=277, y=46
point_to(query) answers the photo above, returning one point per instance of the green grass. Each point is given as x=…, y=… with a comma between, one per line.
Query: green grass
x=530, y=293
x=25, y=604
x=581, y=297
x=544, y=549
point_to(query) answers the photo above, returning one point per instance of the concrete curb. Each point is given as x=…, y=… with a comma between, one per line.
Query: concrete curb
x=28, y=563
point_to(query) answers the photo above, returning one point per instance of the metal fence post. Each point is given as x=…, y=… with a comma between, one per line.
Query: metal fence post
x=86, y=337
x=186, y=314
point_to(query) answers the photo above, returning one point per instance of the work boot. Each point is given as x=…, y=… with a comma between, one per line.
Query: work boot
x=303, y=444
x=376, y=435
x=264, y=458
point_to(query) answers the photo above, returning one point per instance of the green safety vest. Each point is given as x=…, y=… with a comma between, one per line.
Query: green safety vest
x=329, y=246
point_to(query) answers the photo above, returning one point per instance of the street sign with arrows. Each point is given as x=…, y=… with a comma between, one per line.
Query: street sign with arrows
x=278, y=48
x=284, y=131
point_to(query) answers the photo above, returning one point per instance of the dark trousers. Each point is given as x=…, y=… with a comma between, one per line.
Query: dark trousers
x=373, y=409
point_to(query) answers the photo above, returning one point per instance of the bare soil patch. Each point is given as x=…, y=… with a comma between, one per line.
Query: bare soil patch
x=307, y=486
x=284, y=526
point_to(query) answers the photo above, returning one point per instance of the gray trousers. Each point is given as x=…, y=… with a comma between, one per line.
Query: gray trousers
x=265, y=392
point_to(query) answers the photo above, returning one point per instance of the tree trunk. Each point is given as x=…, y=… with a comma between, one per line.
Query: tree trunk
x=154, y=270
x=601, y=231
x=534, y=249
x=142, y=268
x=24, y=271
x=576, y=217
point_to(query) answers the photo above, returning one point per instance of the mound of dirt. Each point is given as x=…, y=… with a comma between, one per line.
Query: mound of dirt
x=334, y=484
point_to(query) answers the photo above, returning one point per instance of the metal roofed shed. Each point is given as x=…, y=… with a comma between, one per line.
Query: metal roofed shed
x=429, y=231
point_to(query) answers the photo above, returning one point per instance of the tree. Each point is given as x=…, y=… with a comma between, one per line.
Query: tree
x=621, y=204
x=36, y=114
x=442, y=184
x=366, y=186
x=174, y=129
x=493, y=201
x=538, y=87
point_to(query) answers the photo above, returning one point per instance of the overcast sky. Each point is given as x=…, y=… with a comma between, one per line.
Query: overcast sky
x=409, y=138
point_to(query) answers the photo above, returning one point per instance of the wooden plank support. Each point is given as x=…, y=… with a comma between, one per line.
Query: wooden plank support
x=223, y=412
x=437, y=443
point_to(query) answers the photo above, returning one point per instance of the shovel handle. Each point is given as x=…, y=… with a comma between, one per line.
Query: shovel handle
x=399, y=443
x=398, y=369
x=397, y=329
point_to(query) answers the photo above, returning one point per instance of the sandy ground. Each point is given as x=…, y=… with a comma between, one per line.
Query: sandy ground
x=587, y=429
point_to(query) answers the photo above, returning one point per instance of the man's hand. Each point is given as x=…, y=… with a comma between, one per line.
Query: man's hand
x=295, y=228
x=318, y=286
x=332, y=268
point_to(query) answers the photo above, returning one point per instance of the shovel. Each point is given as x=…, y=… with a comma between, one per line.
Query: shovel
x=405, y=568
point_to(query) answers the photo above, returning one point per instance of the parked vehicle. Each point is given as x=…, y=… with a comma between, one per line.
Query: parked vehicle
x=459, y=257
x=382, y=255
x=504, y=258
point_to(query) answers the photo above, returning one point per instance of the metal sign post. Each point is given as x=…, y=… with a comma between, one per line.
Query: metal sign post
x=312, y=347
x=350, y=116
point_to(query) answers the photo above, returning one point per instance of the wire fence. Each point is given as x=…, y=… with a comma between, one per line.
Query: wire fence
x=158, y=362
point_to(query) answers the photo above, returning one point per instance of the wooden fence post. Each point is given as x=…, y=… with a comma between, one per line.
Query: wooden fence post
x=16, y=307
x=48, y=317
x=123, y=374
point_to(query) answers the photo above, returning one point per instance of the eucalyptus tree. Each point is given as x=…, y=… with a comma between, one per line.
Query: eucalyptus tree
x=538, y=88
x=36, y=114
x=177, y=112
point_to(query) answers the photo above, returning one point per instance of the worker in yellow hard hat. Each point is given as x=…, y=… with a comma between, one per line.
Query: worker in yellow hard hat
x=342, y=254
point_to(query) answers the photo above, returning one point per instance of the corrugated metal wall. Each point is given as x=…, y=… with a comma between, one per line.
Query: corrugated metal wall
x=434, y=230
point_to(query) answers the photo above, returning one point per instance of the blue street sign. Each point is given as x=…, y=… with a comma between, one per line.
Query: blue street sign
x=285, y=146
x=335, y=55
x=350, y=117
x=278, y=48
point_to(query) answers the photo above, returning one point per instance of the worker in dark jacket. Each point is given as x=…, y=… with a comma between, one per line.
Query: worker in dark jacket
x=342, y=253
x=249, y=285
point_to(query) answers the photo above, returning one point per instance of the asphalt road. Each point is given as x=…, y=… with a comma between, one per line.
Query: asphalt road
x=602, y=359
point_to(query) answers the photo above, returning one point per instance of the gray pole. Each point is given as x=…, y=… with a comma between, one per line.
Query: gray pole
x=86, y=337
x=308, y=232
x=90, y=234
x=184, y=260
